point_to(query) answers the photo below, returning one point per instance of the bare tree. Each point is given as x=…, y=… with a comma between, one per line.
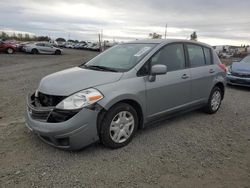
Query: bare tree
x=193, y=36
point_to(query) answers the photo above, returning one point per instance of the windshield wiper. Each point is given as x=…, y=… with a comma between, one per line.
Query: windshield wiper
x=98, y=67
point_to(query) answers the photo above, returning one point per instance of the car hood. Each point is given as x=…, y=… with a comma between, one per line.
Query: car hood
x=241, y=67
x=69, y=81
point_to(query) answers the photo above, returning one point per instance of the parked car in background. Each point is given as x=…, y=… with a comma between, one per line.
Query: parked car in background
x=69, y=45
x=123, y=89
x=21, y=45
x=41, y=48
x=7, y=47
x=239, y=73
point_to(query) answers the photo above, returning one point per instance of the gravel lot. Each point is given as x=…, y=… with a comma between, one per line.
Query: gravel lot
x=192, y=150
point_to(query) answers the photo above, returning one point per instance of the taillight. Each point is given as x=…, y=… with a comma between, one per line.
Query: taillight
x=223, y=67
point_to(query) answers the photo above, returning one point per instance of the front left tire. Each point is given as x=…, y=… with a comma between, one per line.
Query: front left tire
x=119, y=126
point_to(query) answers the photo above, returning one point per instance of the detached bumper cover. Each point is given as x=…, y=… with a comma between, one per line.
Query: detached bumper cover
x=75, y=133
x=241, y=81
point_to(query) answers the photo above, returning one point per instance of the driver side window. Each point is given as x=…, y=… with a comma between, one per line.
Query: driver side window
x=171, y=55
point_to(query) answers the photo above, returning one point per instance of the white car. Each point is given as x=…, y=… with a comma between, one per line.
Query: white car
x=42, y=48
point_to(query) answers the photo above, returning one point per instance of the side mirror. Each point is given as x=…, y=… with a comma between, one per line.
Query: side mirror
x=157, y=70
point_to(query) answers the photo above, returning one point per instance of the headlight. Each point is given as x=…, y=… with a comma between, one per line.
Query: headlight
x=80, y=99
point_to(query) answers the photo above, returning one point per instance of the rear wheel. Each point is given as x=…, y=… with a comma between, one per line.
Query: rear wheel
x=34, y=51
x=58, y=52
x=214, y=101
x=10, y=51
x=119, y=126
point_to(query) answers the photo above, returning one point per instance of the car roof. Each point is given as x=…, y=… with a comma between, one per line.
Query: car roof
x=166, y=41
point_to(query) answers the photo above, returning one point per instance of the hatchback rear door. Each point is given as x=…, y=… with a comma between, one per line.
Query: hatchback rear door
x=202, y=71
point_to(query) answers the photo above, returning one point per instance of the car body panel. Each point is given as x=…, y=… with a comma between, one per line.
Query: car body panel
x=168, y=91
x=75, y=79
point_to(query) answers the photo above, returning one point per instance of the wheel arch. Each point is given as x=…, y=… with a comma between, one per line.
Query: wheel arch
x=133, y=102
x=10, y=48
x=222, y=88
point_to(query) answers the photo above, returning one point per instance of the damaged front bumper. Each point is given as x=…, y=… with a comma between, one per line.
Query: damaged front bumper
x=61, y=128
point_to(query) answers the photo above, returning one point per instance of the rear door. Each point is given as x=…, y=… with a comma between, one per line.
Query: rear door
x=172, y=90
x=202, y=71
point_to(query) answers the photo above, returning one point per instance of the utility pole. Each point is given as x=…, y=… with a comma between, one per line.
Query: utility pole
x=166, y=31
x=99, y=36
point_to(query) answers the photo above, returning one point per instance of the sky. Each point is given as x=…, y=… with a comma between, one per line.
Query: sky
x=217, y=22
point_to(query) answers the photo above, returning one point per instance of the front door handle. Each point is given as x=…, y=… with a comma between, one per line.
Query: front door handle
x=211, y=71
x=184, y=76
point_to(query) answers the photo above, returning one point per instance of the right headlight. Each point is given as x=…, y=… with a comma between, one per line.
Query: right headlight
x=80, y=99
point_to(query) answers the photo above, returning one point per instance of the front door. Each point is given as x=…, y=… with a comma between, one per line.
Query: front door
x=172, y=90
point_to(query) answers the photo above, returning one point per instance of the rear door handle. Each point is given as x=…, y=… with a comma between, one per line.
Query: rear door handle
x=184, y=76
x=211, y=71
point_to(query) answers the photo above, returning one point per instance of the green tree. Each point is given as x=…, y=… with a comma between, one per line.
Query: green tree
x=4, y=35
x=60, y=40
x=155, y=36
x=43, y=38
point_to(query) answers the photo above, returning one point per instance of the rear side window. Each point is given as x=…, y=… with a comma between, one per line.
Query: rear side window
x=172, y=56
x=196, y=55
x=208, y=58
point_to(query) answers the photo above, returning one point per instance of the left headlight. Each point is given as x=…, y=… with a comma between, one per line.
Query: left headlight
x=80, y=99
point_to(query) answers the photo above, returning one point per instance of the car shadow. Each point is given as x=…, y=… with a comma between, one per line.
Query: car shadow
x=242, y=88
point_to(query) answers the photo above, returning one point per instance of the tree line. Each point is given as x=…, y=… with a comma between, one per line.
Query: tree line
x=22, y=37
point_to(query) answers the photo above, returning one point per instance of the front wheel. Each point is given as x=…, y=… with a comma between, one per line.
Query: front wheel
x=119, y=126
x=214, y=101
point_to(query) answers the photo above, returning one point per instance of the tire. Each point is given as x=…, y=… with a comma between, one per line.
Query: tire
x=10, y=50
x=214, y=101
x=34, y=51
x=119, y=126
x=58, y=52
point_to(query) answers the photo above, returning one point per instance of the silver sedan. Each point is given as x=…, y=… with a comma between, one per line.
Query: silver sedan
x=42, y=48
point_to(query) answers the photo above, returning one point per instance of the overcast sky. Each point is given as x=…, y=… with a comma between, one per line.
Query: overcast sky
x=215, y=21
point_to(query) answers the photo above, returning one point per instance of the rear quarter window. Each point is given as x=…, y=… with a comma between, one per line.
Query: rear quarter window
x=196, y=55
x=208, y=56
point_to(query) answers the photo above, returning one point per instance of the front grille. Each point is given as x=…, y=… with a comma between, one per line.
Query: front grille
x=49, y=100
x=42, y=108
x=36, y=111
x=57, y=116
x=242, y=75
x=39, y=115
x=240, y=81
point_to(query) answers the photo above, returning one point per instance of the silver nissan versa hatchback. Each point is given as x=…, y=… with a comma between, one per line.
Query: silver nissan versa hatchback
x=122, y=90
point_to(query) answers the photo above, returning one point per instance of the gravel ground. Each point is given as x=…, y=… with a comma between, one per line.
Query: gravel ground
x=192, y=150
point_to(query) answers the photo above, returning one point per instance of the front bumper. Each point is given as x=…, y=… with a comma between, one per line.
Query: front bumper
x=240, y=81
x=73, y=134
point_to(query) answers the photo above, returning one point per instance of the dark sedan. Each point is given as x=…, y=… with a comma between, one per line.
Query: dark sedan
x=239, y=73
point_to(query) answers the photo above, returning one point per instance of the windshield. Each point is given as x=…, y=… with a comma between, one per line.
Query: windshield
x=120, y=58
x=246, y=59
